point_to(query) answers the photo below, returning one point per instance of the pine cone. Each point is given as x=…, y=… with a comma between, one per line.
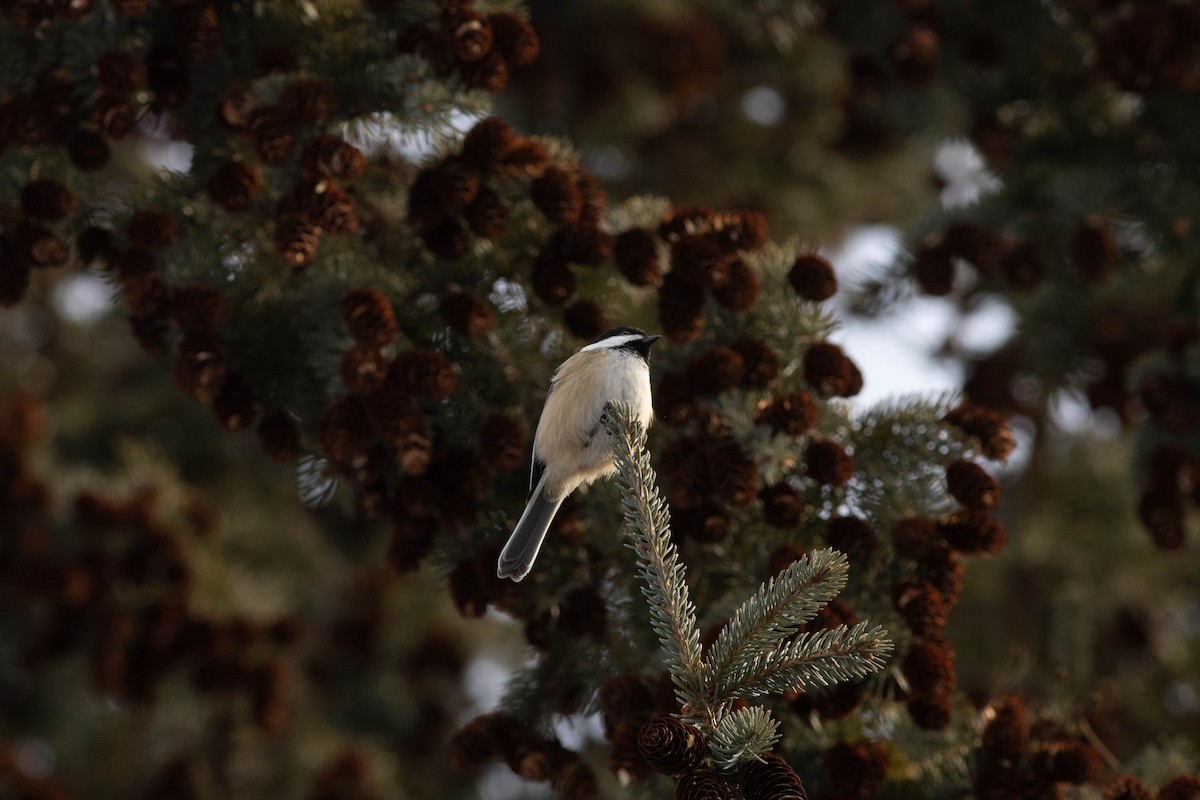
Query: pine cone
x=1072, y=761
x=234, y=186
x=739, y=230
x=514, y=38
x=921, y=606
x=1094, y=251
x=674, y=402
x=150, y=334
x=527, y=158
x=309, y=101
x=856, y=770
x=990, y=428
x=733, y=474
x=552, y=279
x=486, y=144
x=425, y=373
x=235, y=405
x=479, y=741
x=556, y=196
x=332, y=157
x=447, y=238
x=393, y=414
x=783, y=557
x=828, y=463
x=146, y=295
x=670, y=746
x=1162, y=514
x=595, y=201
x=680, y=309
x=411, y=541
x=1023, y=267
x=1007, y=733
x=581, y=244
x=296, y=239
x=973, y=532
x=697, y=259
x=707, y=523
x=1170, y=402
x=771, y=779
x=47, y=200
x=455, y=183
x=1125, y=787
x=344, y=432
x=132, y=263
x=466, y=314
x=362, y=368
x=702, y=784
x=915, y=537
x=198, y=308
x=270, y=136
x=40, y=247
x=682, y=220
x=782, y=506
x=625, y=697
x=471, y=37
x=200, y=365
x=586, y=319
x=970, y=485
x=928, y=666
x=715, y=371
x=120, y=72
x=933, y=267
x=813, y=278
x=502, y=440
x=368, y=316
x=196, y=29
x=149, y=229
x=830, y=372
x=944, y=571
x=791, y=414
x=489, y=73
x=234, y=105
x=487, y=215
x=977, y=244
x=625, y=761
x=113, y=114
x=854, y=536
x=636, y=255
x=736, y=286
x=87, y=149
x=94, y=245
x=1183, y=787
x=279, y=438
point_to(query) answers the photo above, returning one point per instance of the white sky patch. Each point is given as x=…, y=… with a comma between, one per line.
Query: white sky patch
x=485, y=679
x=989, y=325
x=764, y=106
x=82, y=298
x=965, y=174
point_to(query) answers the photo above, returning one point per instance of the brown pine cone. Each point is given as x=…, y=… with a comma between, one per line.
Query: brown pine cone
x=130, y=263
x=279, y=437
x=791, y=414
x=1024, y=268
x=150, y=334
x=581, y=244
x=733, y=474
x=1007, y=732
x=47, y=200
x=586, y=319
x=854, y=536
x=977, y=244
x=470, y=37
x=526, y=159
x=1073, y=761
x=1182, y=787
x=928, y=666
x=309, y=101
x=697, y=259
x=772, y=778
x=971, y=485
x=332, y=157
x=120, y=72
x=715, y=370
x=830, y=372
x=944, y=571
x=146, y=295
x=1094, y=251
x=703, y=784
x=270, y=136
x=933, y=267
x=677, y=222
x=447, y=238
x=198, y=308
x=425, y=373
x=344, y=432
x=486, y=144
x=761, y=363
x=674, y=403
x=113, y=114
x=1161, y=512
x=973, y=532
x=636, y=256
x=466, y=314
x=489, y=73
x=556, y=196
x=707, y=523
x=1125, y=787
x=514, y=38
x=813, y=278
x=782, y=506
x=455, y=183
x=828, y=463
x=368, y=316
x=38, y=247
x=362, y=368
x=625, y=697
x=87, y=149
x=233, y=106
x=393, y=414
x=94, y=245
x=1170, y=402
x=235, y=404
x=200, y=365
x=670, y=746
x=856, y=770
x=480, y=741
x=196, y=29
x=234, y=186
x=680, y=309
x=296, y=239
x=502, y=440
x=915, y=538
x=150, y=229
x=990, y=428
x=595, y=201
x=552, y=279
x=486, y=216
x=736, y=286
x=921, y=606
x=739, y=230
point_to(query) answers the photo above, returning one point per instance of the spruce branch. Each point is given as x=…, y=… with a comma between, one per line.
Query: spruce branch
x=741, y=736
x=776, y=611
x=666, y=589
x=823, y=657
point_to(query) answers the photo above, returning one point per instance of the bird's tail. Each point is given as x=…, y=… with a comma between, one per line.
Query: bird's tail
x=517, y=557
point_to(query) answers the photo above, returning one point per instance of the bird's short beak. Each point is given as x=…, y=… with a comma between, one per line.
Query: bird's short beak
x=649, y=340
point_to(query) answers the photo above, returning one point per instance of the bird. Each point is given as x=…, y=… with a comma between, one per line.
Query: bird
x=569, y=446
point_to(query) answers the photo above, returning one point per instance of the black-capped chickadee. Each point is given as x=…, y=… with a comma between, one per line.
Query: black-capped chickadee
x=570, y=447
